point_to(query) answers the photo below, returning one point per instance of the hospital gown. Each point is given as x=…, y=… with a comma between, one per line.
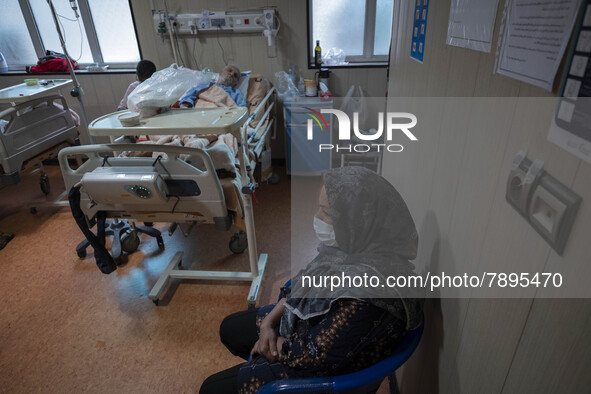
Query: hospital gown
x=191, y=95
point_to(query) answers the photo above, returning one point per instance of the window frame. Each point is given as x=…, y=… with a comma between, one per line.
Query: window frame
x=368, y=59
x=91, y=35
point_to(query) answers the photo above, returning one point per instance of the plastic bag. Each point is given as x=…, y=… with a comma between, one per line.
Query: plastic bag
x=355, y=101
x=285, y=85
x=164, y=88
x=333, y=57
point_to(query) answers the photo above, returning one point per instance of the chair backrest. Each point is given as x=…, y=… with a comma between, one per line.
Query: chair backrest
x=368, y=377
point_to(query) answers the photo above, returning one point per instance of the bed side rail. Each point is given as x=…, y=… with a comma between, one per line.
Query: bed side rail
x=173, y=153
x=209, y=205
x=261, y=106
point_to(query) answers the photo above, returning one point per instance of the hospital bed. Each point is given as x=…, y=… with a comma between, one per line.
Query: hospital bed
x=33, y=129
x=172, y=187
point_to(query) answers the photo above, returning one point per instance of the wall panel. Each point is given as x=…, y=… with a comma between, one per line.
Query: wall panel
x=485, y=345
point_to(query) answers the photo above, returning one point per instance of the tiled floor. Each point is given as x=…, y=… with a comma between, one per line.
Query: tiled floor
x=65, y=327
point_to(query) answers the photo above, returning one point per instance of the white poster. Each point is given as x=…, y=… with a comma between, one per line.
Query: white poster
x=571, y=125
x=534, y=38
x=472, y=24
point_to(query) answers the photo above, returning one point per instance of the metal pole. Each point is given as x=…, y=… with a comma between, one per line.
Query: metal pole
x=77, y=90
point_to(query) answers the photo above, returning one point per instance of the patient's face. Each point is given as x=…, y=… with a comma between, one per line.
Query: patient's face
x=323, y=212
x=229, y=76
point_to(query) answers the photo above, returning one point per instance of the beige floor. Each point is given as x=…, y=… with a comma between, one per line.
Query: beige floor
x=65, y=327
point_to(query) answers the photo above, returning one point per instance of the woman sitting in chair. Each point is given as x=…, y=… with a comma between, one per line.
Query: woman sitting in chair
x=365, y=230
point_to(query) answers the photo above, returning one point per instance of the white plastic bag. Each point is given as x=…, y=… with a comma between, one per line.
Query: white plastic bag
x=333, y=57
x=164, y=88
x=355, y=101
x=285, y=85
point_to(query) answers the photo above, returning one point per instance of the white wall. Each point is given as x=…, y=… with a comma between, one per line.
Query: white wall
x=454, y=181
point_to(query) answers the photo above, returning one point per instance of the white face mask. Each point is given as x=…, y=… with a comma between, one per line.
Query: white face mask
x=325, y=232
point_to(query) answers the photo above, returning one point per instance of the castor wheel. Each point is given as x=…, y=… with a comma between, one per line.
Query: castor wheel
x=81, y=253
x=274, y=178
x=44, y=183
x=33, y=210
x=238, y=242
x=156, y=301
x=130, y=241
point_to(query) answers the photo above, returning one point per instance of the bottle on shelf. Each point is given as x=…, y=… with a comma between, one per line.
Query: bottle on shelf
x=291, y=74
x=318, y=54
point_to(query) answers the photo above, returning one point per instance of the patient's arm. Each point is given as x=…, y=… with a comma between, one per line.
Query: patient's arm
x=188, y=100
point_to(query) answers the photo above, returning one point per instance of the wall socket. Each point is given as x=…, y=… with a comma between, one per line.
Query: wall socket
x=548, y=205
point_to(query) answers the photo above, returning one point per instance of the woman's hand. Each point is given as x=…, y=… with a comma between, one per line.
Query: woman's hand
x=267, y=344
x=280, y=341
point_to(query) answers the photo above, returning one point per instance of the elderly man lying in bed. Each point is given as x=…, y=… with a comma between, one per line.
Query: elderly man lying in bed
x=222, y=93
x=221, y=148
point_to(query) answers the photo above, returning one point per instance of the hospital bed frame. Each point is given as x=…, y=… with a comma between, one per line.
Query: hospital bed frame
x=208, y=207
x=34, y=133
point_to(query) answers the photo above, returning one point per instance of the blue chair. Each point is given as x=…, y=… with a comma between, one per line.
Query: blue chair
x=366, y=380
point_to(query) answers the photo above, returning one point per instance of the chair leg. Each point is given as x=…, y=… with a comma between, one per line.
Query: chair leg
x=393, y=382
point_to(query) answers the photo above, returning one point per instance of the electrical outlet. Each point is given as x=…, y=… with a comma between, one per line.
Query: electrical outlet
x=552, y=211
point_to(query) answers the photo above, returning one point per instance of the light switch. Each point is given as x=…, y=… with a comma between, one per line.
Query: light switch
x=552, y=211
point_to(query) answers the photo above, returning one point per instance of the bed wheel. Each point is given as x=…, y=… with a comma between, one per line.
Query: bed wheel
x=130, y=241
x=156, y=301
x=33, y=210
x=44, y=183
x=238, y=242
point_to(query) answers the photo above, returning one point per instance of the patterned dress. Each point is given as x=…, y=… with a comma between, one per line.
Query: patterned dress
x=351, y=336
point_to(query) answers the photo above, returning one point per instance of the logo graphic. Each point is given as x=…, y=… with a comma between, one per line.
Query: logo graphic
x=315, y=116
x=395, y=121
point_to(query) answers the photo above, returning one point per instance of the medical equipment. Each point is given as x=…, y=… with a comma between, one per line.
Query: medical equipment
x=264, y=21
x=170, y=188
x=125, y=186
x=76, y=91
x=34, y=128
x=255, y=21
x=74, y=7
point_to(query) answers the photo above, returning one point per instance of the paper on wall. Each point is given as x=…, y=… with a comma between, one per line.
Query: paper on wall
x=534, y=39
x=571, y=125
x=472, y=24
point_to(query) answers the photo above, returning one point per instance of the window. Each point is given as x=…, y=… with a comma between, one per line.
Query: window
x=102, y=33
x=361, y=28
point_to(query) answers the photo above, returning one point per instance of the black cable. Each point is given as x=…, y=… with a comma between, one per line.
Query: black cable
x=175, y=204
x=157, y=160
